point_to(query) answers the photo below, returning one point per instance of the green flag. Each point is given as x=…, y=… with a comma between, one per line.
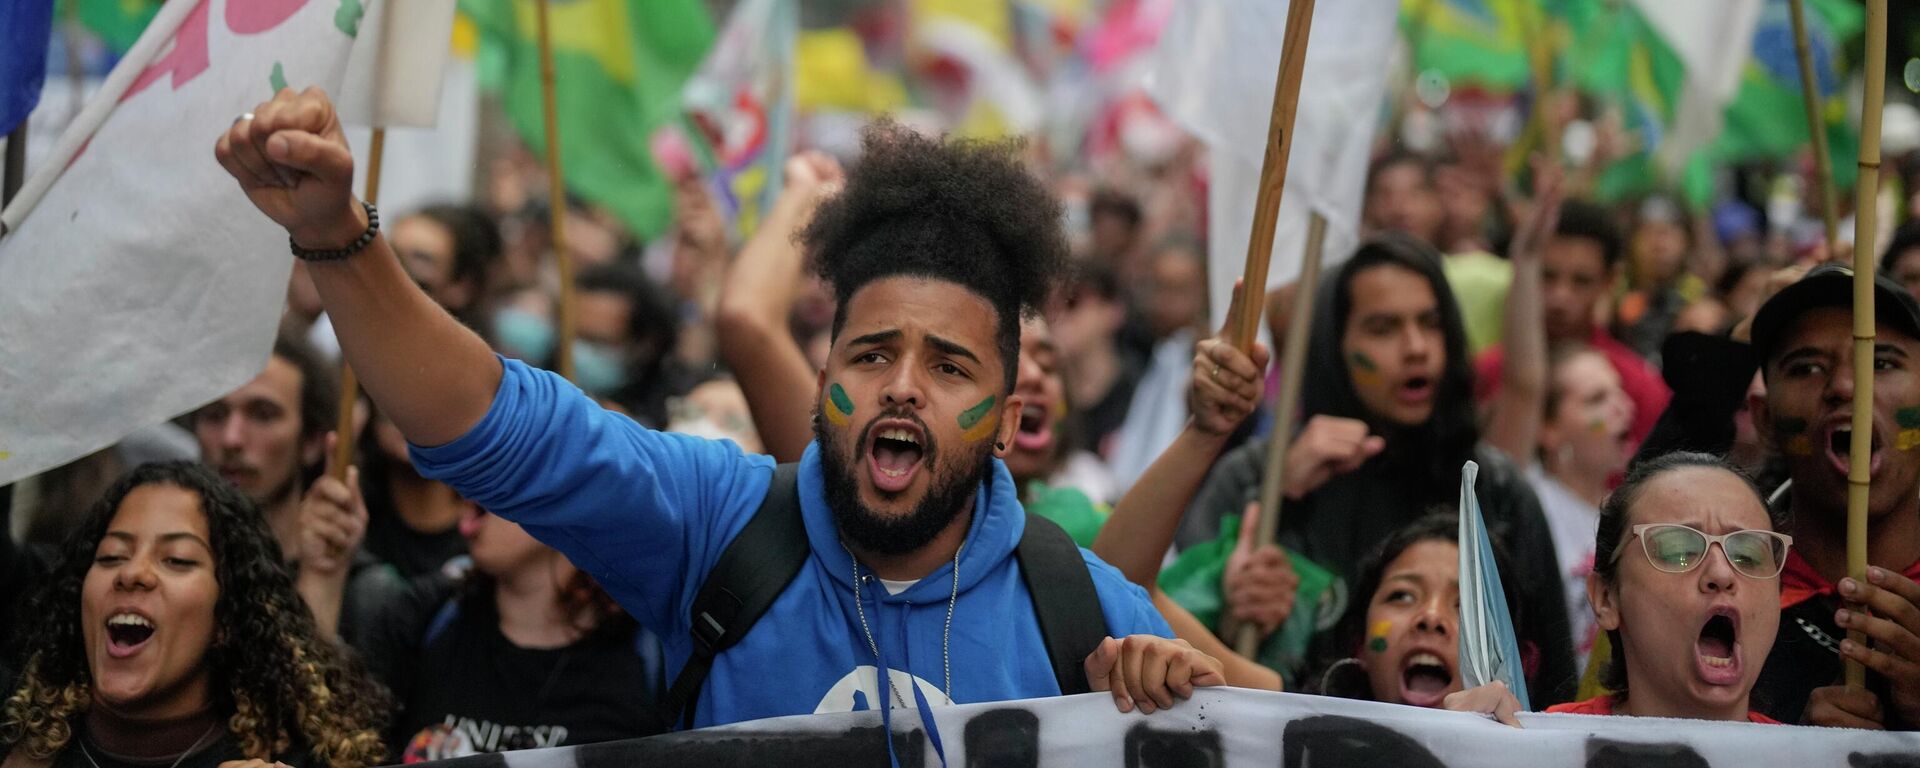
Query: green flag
x=618, y=69
x=117, y=22
x=1767, y=116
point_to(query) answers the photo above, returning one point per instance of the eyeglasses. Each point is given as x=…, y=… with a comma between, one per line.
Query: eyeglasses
x=1676, y=548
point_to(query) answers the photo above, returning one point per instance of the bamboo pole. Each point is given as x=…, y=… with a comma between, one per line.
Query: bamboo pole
x=1816, y=127
x=556, y=200
x=1293, y=359
x=1273, y=172
x=349, y=383
x=1865, y=206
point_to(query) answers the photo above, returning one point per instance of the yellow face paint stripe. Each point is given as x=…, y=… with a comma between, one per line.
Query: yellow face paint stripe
x=974, y=420
x=839, y=406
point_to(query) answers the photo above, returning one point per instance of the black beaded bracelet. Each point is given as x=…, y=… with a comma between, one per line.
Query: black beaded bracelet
x=359, y=244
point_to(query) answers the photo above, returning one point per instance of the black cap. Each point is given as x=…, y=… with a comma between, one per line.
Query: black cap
x=1831, y=285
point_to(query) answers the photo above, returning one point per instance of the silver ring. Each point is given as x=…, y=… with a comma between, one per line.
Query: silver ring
x=244, y=116
x=1216, y=372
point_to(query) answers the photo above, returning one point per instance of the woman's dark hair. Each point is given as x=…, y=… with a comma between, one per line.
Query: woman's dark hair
x=477, y=250
x=281, y=690
x=1615, y=515
x=963, y=212
x=1429, y=455
x=1905, y=238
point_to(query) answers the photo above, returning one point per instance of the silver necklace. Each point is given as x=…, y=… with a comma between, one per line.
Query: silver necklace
x=946, y=636
x=82, y=741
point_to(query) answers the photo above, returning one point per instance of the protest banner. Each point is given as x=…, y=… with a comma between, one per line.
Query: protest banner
x=1230, y=728
x=136, y=281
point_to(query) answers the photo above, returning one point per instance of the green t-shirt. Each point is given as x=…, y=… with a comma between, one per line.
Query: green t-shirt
x=1068, y=508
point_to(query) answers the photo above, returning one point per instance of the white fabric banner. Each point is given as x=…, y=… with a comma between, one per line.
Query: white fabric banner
x=1214, y=73
x=136, y=281
x=1231, y=727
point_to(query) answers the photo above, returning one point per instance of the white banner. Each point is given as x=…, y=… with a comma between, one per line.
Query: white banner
x=136, y=281
x=1214, y=72
x=1230, y=727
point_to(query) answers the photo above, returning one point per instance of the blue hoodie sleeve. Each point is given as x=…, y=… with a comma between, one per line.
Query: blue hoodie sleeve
x=1128, y=608
x=645, y=512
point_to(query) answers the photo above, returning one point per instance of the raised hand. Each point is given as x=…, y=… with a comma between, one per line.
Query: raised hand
x=333, y=520
x=1227, y=383
x=1329, y=447
x=1150, y=672
x=1492, y=700
x=292, y=160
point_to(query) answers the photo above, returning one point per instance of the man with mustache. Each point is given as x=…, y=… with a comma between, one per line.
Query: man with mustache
x=910, y=594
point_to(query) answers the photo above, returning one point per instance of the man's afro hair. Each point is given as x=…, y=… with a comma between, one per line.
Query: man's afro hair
x=965, y=212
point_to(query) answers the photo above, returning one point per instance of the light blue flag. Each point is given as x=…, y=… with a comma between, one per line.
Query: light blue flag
x=1488, y=649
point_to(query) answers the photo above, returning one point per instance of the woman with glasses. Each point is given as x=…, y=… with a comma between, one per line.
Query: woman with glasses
x=1686, y=584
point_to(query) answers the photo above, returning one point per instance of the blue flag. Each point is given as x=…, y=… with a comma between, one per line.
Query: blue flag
x=25, y=28
x=1488, y=648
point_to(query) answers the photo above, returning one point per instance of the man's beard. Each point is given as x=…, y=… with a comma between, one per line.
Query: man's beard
x=947, y=494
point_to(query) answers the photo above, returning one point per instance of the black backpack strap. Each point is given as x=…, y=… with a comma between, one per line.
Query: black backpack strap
x=753, y=570
x=1064, y=599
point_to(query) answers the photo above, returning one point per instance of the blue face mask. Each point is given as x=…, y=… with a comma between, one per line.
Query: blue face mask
x=598, y=368
x=524, y=335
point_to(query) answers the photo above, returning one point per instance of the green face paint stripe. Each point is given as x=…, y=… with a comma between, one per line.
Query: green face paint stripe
x=839, y=398
x=1909, y=418
x=1361, y=361
x=1792, y=426
x=972, y=416
x=1378, y=645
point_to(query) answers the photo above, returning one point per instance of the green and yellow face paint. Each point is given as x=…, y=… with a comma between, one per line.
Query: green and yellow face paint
x=975, y=422
x=1795, y=441
x=1377, y=636
x=1909, y=421
x=1364, y=371
x=839, y=406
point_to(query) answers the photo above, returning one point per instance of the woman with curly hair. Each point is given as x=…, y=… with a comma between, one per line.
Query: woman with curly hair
x=170, y=635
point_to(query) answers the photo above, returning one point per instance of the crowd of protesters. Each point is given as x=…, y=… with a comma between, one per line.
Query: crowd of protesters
x=952, y=343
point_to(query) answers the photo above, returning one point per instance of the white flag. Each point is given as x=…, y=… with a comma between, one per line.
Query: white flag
x=1214, y=73
x=1713, y=40
x=136, y=281
x=398, y=64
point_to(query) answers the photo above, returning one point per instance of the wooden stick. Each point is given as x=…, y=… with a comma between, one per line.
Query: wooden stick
x=556, y=201
x=1816, y=127
x=1293, y=360
x=1273, y=171
x=1866, y=193
x=349, y=383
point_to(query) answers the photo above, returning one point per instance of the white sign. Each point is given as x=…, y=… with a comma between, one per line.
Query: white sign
x=1231, y=727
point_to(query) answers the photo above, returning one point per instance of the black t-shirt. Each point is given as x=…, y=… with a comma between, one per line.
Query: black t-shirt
x=1805, y=656
x=462, y=688
x=413, y=553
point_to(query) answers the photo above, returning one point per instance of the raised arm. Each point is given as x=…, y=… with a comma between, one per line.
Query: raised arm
x=1514, y=425
x=755, y=302
x=427, y=372
x=1226, y=388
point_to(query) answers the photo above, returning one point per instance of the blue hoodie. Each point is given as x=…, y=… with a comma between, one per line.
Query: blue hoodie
x=648, y=513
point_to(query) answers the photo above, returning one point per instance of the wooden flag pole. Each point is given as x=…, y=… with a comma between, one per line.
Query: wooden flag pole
x=349, y=383
x=1273, y=171
x=1293, y=359
x=556, y=200
x=1816, y=127
x=1865, y=206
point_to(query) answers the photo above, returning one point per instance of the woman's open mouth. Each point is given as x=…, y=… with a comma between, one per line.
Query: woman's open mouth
x=1036, y=429
x=1425, y=680
x=127, y=633
x=1415, y=390
x=1717, y=650
x=894, y=454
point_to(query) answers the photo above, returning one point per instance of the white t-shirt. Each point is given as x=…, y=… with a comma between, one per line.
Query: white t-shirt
x=1573, y=523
